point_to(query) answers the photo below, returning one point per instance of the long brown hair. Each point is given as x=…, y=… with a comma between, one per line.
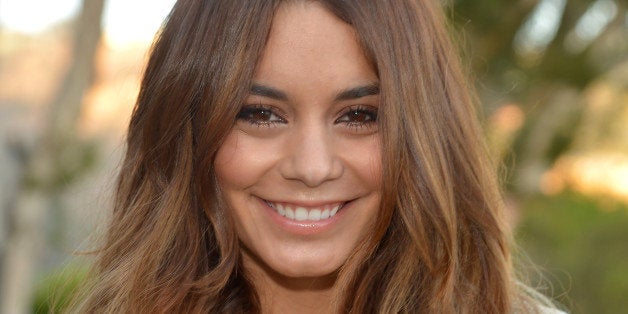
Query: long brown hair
x=440, y=244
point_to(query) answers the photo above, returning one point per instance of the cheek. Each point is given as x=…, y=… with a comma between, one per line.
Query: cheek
x=364, y=157
x=228, y=158
x=241, y=162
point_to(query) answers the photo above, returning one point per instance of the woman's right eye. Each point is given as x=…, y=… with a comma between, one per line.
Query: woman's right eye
x=259, y=115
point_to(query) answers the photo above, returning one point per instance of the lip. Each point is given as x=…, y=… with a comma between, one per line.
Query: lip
x=305, y=227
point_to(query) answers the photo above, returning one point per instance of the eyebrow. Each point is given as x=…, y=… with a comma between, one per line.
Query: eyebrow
x=359, y=92
x=348, y=94
x=267, y=91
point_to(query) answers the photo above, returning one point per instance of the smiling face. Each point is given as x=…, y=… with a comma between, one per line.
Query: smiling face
x=301, y=168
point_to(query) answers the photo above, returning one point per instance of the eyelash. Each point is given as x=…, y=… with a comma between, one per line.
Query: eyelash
x=368, y=116
x=248, y=111
x=369, y=119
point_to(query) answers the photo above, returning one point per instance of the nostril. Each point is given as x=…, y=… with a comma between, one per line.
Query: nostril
x=312, y=160
x=314, y=173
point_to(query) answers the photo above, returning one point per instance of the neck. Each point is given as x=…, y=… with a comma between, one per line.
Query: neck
x=301, y=295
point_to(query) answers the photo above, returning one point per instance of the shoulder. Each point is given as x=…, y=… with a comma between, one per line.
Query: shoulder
x=542, y=306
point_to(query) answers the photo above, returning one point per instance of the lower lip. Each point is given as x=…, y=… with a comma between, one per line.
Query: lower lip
x=306, y=227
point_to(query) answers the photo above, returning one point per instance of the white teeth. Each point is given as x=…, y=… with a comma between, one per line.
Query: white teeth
x=289, y=213
x=334, y=211
x=281, y=210
x=302, y=213
x=325, y=214
x=315, y=214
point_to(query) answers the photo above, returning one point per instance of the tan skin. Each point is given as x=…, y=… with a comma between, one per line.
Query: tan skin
x=306, y=141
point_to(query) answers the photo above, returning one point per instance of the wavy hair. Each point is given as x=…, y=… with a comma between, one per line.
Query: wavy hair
x=439, y=246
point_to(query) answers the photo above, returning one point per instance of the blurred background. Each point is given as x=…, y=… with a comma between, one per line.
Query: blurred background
x=552, y=76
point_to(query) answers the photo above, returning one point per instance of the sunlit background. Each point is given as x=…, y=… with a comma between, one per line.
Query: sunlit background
x=552, y=76
x=125, y=22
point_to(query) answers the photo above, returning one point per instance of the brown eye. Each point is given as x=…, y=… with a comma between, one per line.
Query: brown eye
x=358, y=116
x=259, y=115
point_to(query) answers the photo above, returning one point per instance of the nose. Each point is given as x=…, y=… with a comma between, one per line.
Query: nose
x=312, y=157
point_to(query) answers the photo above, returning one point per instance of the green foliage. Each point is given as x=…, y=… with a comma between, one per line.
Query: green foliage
x=70, y=159
x=490, y=27
x=583, y=242
x=504, y=75
x=54, y=293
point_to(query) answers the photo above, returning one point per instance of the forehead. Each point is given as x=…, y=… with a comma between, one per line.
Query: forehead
x=309, y=44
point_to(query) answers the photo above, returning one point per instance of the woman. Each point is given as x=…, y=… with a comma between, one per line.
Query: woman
x=305, y=156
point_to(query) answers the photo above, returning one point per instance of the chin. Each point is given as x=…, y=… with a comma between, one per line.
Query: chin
x=286, y=266
x=306, y=271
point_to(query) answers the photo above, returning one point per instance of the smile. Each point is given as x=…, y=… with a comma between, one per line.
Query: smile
x=302, y=213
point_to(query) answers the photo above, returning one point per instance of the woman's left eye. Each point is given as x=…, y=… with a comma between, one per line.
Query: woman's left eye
x=358, y=116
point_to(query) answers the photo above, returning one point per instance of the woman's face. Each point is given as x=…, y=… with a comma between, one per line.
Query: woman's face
x=301, y=168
